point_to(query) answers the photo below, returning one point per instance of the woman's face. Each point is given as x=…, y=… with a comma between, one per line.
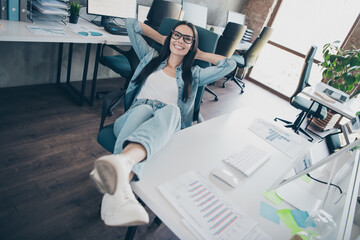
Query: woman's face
x=181, y=40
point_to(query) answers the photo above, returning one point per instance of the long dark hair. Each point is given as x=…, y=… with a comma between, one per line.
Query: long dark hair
x=165, y=53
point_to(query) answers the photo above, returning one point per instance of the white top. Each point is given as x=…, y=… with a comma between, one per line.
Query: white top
x=160, y=86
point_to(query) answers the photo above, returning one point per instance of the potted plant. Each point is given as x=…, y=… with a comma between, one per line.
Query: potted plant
x=74, y=12
x=341, y=68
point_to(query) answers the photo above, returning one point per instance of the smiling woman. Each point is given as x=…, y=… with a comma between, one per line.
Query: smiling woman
x=159, y=101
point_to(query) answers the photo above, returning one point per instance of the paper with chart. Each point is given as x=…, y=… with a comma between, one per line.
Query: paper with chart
x=287, y=142
x=204, y=208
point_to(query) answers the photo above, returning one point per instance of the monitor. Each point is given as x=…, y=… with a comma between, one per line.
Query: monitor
x=111, y=8
x=196, y=14
x=309, y=166
x=236, y=17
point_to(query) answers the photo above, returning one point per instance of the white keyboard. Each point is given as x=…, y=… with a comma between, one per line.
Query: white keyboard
x=248, y=159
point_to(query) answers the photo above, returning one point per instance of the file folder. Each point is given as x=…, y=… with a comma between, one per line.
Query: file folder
x=3, y=10
x=13, y=10
x=23, y=10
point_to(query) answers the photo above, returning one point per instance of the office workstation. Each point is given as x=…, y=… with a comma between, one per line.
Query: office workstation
x=49, y=144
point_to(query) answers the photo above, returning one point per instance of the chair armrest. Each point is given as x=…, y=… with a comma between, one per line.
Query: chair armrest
x=109, y=101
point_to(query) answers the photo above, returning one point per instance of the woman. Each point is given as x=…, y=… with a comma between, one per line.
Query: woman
x=161, y=97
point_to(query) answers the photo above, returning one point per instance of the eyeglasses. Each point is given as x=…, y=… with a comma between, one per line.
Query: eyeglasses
x=177, y=35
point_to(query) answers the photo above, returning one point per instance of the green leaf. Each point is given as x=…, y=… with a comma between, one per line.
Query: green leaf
x=329, y=74
x=332, y=58
x=346, y=62
x=353, y=62
x=357, y=78
x=349, y=88
x=342, y=87
x=338, y=68
x=327, y=56
x=349, y=80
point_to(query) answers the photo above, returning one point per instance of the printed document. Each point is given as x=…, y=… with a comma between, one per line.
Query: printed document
x=287, y=142
x=205, y=210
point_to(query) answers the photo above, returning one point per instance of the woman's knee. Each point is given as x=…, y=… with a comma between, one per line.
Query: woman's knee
x=172, y=110
x=139, y=113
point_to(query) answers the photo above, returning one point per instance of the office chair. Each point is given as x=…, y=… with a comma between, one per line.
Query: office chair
x=302, y=103
x=248, y=59
x=161, y=9
x=227, y=43
x=124, y=64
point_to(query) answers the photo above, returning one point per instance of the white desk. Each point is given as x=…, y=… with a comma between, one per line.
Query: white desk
x=15, y=31
x=202, y=147
x=347, y=109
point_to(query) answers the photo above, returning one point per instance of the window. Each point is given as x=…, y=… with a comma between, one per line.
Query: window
x=297, y=26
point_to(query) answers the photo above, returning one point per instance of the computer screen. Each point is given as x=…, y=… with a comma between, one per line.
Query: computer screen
x=195, y=13
x=308, y=167
x=112, y=8
x=235, y=17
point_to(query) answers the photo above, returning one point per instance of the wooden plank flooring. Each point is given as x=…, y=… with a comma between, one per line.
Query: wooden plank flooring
x=47, y=149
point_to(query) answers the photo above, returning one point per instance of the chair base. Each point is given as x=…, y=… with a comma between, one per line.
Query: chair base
x=238, y=81
x=211, y=92
x=296, y=125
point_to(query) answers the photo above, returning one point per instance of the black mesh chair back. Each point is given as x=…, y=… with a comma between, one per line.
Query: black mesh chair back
x=305, y=73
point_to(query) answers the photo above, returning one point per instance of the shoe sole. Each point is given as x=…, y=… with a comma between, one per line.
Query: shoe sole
x=97, y=181
x=105, y=177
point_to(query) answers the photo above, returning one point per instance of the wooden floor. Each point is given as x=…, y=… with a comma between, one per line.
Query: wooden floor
x=47, y=149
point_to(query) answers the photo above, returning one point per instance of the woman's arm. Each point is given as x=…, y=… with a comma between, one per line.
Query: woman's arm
x=138, y=42
x=221, y=67
x=151, y=33
x=208, y=57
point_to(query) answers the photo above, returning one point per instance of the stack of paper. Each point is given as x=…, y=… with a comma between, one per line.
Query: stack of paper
x=206, y=213
x=49, y=10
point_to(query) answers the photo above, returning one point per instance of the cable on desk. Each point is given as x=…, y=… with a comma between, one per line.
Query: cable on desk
x=331, y=184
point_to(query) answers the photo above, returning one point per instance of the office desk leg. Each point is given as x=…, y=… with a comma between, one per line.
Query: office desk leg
x=93, y=86
x=80, y=94
x=61, y=45
x=86, y=65
x=69, y=63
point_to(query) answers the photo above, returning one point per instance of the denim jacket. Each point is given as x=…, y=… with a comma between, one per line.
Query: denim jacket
x=201, y=76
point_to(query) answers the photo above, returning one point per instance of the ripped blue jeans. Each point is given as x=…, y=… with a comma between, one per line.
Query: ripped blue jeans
x=150, y=123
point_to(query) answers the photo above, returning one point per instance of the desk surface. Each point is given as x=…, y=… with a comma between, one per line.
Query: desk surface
x=15, y=31
x=202, y=147
x=347, y=109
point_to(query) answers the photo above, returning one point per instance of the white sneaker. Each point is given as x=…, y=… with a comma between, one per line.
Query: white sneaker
x=110, y=171
x=119, y=205
x=123, y=212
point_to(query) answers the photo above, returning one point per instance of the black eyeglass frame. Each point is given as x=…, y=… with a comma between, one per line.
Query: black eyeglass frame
x=182, y=35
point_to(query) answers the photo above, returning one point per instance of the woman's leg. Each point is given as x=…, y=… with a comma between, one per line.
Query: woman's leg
x=155, y=133
x=129, y=122
x=112, y=172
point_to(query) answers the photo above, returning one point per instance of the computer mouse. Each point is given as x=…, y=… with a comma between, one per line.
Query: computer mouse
x=225, y=176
